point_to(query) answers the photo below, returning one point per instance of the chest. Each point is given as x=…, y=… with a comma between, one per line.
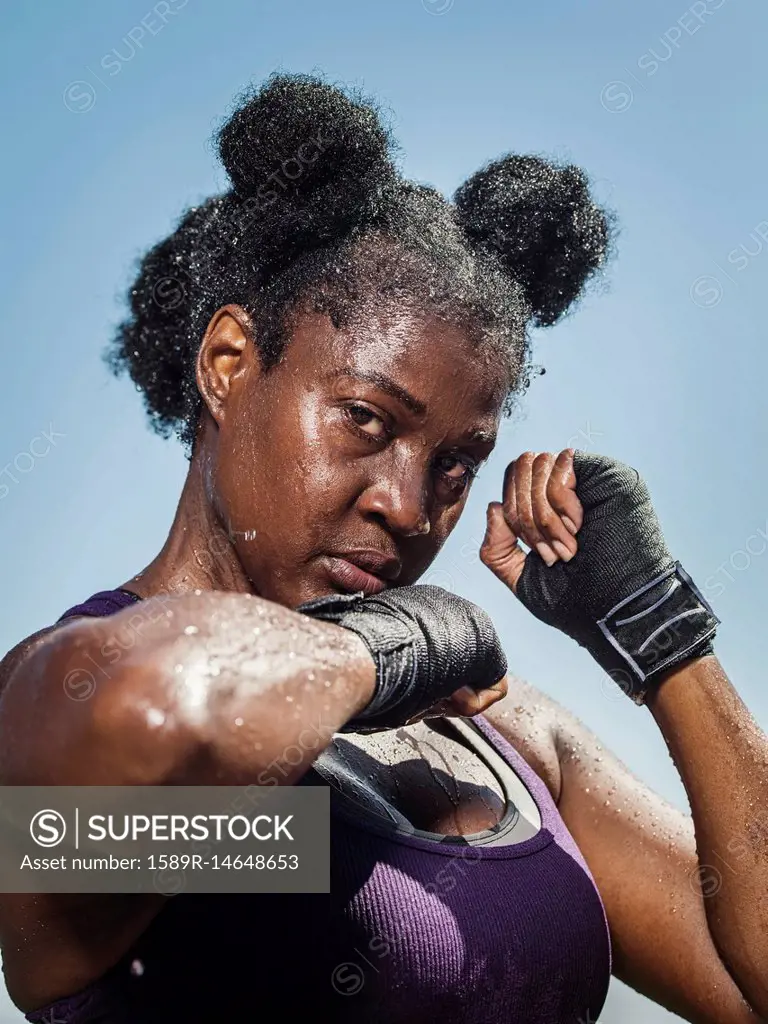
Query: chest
x=468, y=935
x=429, y=773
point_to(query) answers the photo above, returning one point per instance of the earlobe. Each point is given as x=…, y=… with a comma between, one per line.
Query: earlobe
x=225, y=355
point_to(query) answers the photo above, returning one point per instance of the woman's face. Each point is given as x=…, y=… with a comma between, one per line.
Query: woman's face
x=360, y=444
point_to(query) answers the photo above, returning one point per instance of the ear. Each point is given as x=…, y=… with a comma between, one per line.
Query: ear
x=226, y=354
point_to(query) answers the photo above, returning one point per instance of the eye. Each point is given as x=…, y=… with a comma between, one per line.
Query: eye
x=467, y=468
x=364, y=418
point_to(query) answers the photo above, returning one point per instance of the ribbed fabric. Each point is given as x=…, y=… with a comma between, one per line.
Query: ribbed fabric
x=106, y=602
x=413, y=932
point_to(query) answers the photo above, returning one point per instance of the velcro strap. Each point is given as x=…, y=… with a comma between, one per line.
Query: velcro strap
x=662, y=623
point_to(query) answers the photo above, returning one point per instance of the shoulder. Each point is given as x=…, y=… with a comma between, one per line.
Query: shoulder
x=530, y=721
x=18, y=654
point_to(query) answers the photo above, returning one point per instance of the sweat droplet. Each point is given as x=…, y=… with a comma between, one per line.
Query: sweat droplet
x=238, y=721
x=191, y=630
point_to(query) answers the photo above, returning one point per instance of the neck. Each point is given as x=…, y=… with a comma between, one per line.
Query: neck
x=198, y=553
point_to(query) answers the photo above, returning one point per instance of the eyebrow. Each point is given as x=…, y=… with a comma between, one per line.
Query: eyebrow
x=397, y=391
x=385, y=384
x=482, y=436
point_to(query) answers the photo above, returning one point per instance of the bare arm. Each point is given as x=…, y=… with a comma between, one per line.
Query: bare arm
x=722, y=757
x=206, y=688
x=642, y=854
x=718, y=749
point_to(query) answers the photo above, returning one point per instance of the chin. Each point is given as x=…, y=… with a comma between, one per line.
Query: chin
x=308, y=589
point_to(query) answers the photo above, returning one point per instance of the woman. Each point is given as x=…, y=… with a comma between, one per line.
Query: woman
x=336, y=346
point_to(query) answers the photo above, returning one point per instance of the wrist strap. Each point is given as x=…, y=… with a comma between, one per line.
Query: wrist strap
x=663, y=623
x=388, y=639
x=426, y=643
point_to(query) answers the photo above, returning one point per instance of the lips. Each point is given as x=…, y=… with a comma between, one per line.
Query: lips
x=368, y=571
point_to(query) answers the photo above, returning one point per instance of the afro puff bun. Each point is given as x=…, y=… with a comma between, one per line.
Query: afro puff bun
x=318, y=162
x=317, y=213
x=277, y=120
x=541, y=221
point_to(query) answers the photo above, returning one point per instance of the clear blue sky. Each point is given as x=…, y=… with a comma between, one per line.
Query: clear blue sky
x=108, y=113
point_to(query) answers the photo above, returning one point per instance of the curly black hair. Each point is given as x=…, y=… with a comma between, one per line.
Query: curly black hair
x=318, y=216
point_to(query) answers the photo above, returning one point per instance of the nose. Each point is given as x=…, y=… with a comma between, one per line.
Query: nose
x=401, y=500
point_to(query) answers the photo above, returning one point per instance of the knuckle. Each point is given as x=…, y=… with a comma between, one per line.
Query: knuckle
x=525, y=519
x=487, y=555
x=556, y=497
x=484, y=554
x=546, y=518
x=511, y=514
x=557, y=490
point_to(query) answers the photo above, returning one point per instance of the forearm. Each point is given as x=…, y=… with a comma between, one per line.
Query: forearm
x=213, y=689
x=263, y=691
x=722, y=757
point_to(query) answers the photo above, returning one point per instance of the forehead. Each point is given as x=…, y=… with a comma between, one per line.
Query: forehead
x=437, y=363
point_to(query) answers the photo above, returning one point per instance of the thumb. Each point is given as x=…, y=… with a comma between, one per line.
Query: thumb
x=500, y=550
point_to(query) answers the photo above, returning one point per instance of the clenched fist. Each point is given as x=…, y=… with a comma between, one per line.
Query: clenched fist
x=599, y=568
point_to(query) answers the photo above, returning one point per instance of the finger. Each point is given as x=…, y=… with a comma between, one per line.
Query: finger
x=561, y=491
x=508, y=497
x=500, y=551
x=528, y=531
x=441, y=709
x=466, y=702
x=550, y=525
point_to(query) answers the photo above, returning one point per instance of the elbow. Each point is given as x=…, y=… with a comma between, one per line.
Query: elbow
x=744, y=960
x=751, y=980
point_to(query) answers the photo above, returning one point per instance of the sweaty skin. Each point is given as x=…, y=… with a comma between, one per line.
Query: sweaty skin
x=357, y=440
x=360, y=439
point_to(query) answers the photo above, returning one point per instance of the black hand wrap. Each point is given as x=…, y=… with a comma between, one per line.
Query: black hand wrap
x=426, y=643
x=621, y=596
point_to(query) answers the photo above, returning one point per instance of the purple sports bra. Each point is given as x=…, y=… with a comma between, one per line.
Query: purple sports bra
x=413, y=931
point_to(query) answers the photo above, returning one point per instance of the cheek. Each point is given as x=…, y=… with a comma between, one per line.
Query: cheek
x=315, y=479
x=417, y=562
x=285, y=487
